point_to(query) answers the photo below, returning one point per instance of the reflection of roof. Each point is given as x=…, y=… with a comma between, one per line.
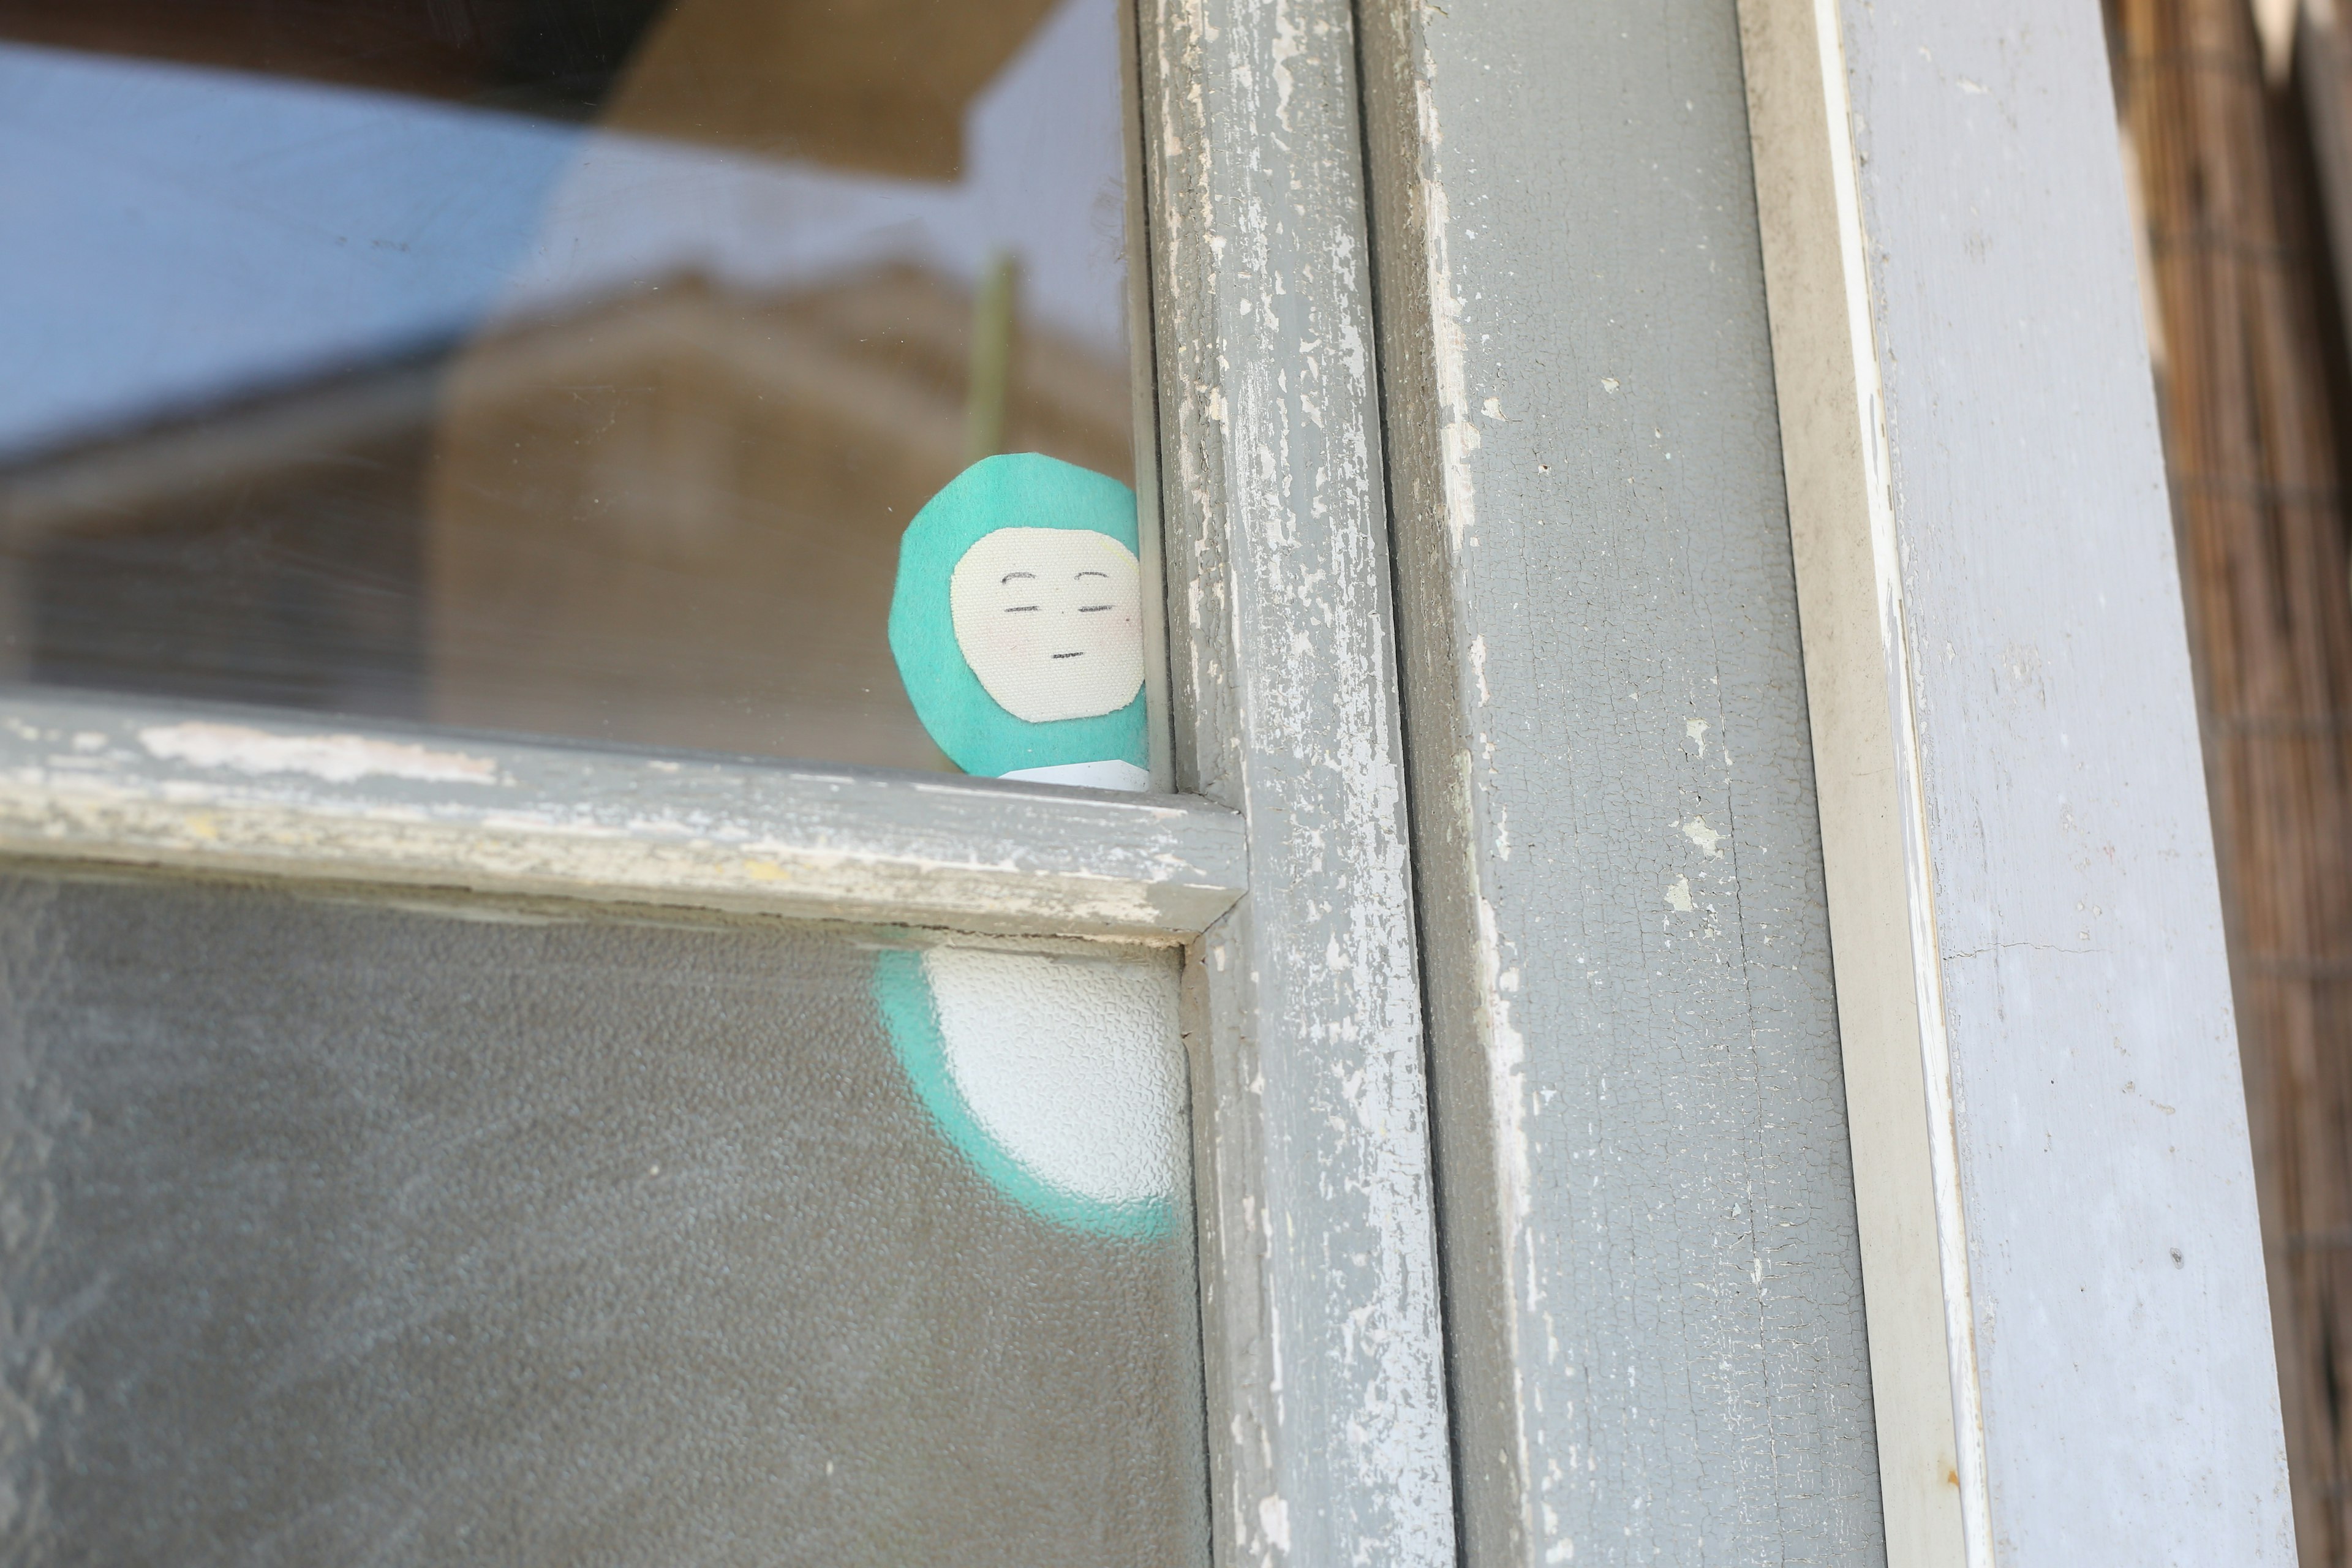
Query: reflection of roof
x=125, y=477
x=885, y=353
x=878, y=85
x=178, y=233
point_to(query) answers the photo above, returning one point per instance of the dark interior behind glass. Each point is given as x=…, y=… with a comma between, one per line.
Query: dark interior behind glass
x=339, y=1232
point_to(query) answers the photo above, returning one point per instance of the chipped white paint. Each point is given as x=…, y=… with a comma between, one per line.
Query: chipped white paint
x=1449, y=351
x=1705, y=837
x=121, y=781
x=1319, y=1288
x=1273, y=1519
x=336, y=758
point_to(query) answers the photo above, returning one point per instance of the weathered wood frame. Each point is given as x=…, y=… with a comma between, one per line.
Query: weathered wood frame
x=1653, y=1291
x=2070, y=1349
x=1284, y=870
x=1327, y=1425
x=1259, y=461
x=202, y=789
x=2069, y=1357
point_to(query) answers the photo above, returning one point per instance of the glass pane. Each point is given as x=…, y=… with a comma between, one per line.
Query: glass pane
x=341, y=1232
x=564, y=367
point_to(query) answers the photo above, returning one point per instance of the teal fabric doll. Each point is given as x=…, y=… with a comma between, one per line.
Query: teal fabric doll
x=1017, y=624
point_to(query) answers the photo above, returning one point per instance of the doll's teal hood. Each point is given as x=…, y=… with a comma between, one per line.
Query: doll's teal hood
x=1022, y=490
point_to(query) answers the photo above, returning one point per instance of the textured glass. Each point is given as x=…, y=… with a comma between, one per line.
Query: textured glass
x=559, y=366
x=339, y=1232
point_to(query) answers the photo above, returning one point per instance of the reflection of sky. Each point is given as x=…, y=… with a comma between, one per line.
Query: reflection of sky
x=174, y=234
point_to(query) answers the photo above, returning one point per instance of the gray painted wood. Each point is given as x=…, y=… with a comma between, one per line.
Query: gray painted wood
x=1653, y=1281
x=227, y=790
x=2113, y=1256
x=1326, y=1421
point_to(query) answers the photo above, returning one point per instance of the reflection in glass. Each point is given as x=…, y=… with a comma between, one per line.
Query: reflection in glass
x=568, y=366
x=1057, y=1082
x=348, y=1233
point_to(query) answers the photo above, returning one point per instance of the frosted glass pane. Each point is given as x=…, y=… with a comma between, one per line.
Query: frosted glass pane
x=338, y=1232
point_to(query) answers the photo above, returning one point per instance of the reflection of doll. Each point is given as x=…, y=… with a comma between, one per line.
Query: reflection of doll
x=1059, y=1080
x=1018, y=624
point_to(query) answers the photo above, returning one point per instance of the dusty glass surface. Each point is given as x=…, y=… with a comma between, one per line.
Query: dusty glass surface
x=346, y=1232
x=559, y=366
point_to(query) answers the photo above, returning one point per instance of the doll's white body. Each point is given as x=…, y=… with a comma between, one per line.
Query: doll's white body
x=1088, y=775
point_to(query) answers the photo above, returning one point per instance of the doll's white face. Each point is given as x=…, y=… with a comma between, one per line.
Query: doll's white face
x=1051, y=620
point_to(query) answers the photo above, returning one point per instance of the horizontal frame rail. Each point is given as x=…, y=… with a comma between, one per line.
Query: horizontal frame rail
x=233, y=791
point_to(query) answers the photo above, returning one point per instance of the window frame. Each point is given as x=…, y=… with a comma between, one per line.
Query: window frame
x=1281, y=870
x=1329, y=1438
x=1277, y=857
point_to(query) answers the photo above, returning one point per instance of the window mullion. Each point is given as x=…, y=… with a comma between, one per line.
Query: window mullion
x=1327, y=1425
x=226, y=791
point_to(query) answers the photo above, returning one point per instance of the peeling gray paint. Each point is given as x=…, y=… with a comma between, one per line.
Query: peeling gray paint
x=1319, y=1291
x=153, y=784
x=1653, y=1284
